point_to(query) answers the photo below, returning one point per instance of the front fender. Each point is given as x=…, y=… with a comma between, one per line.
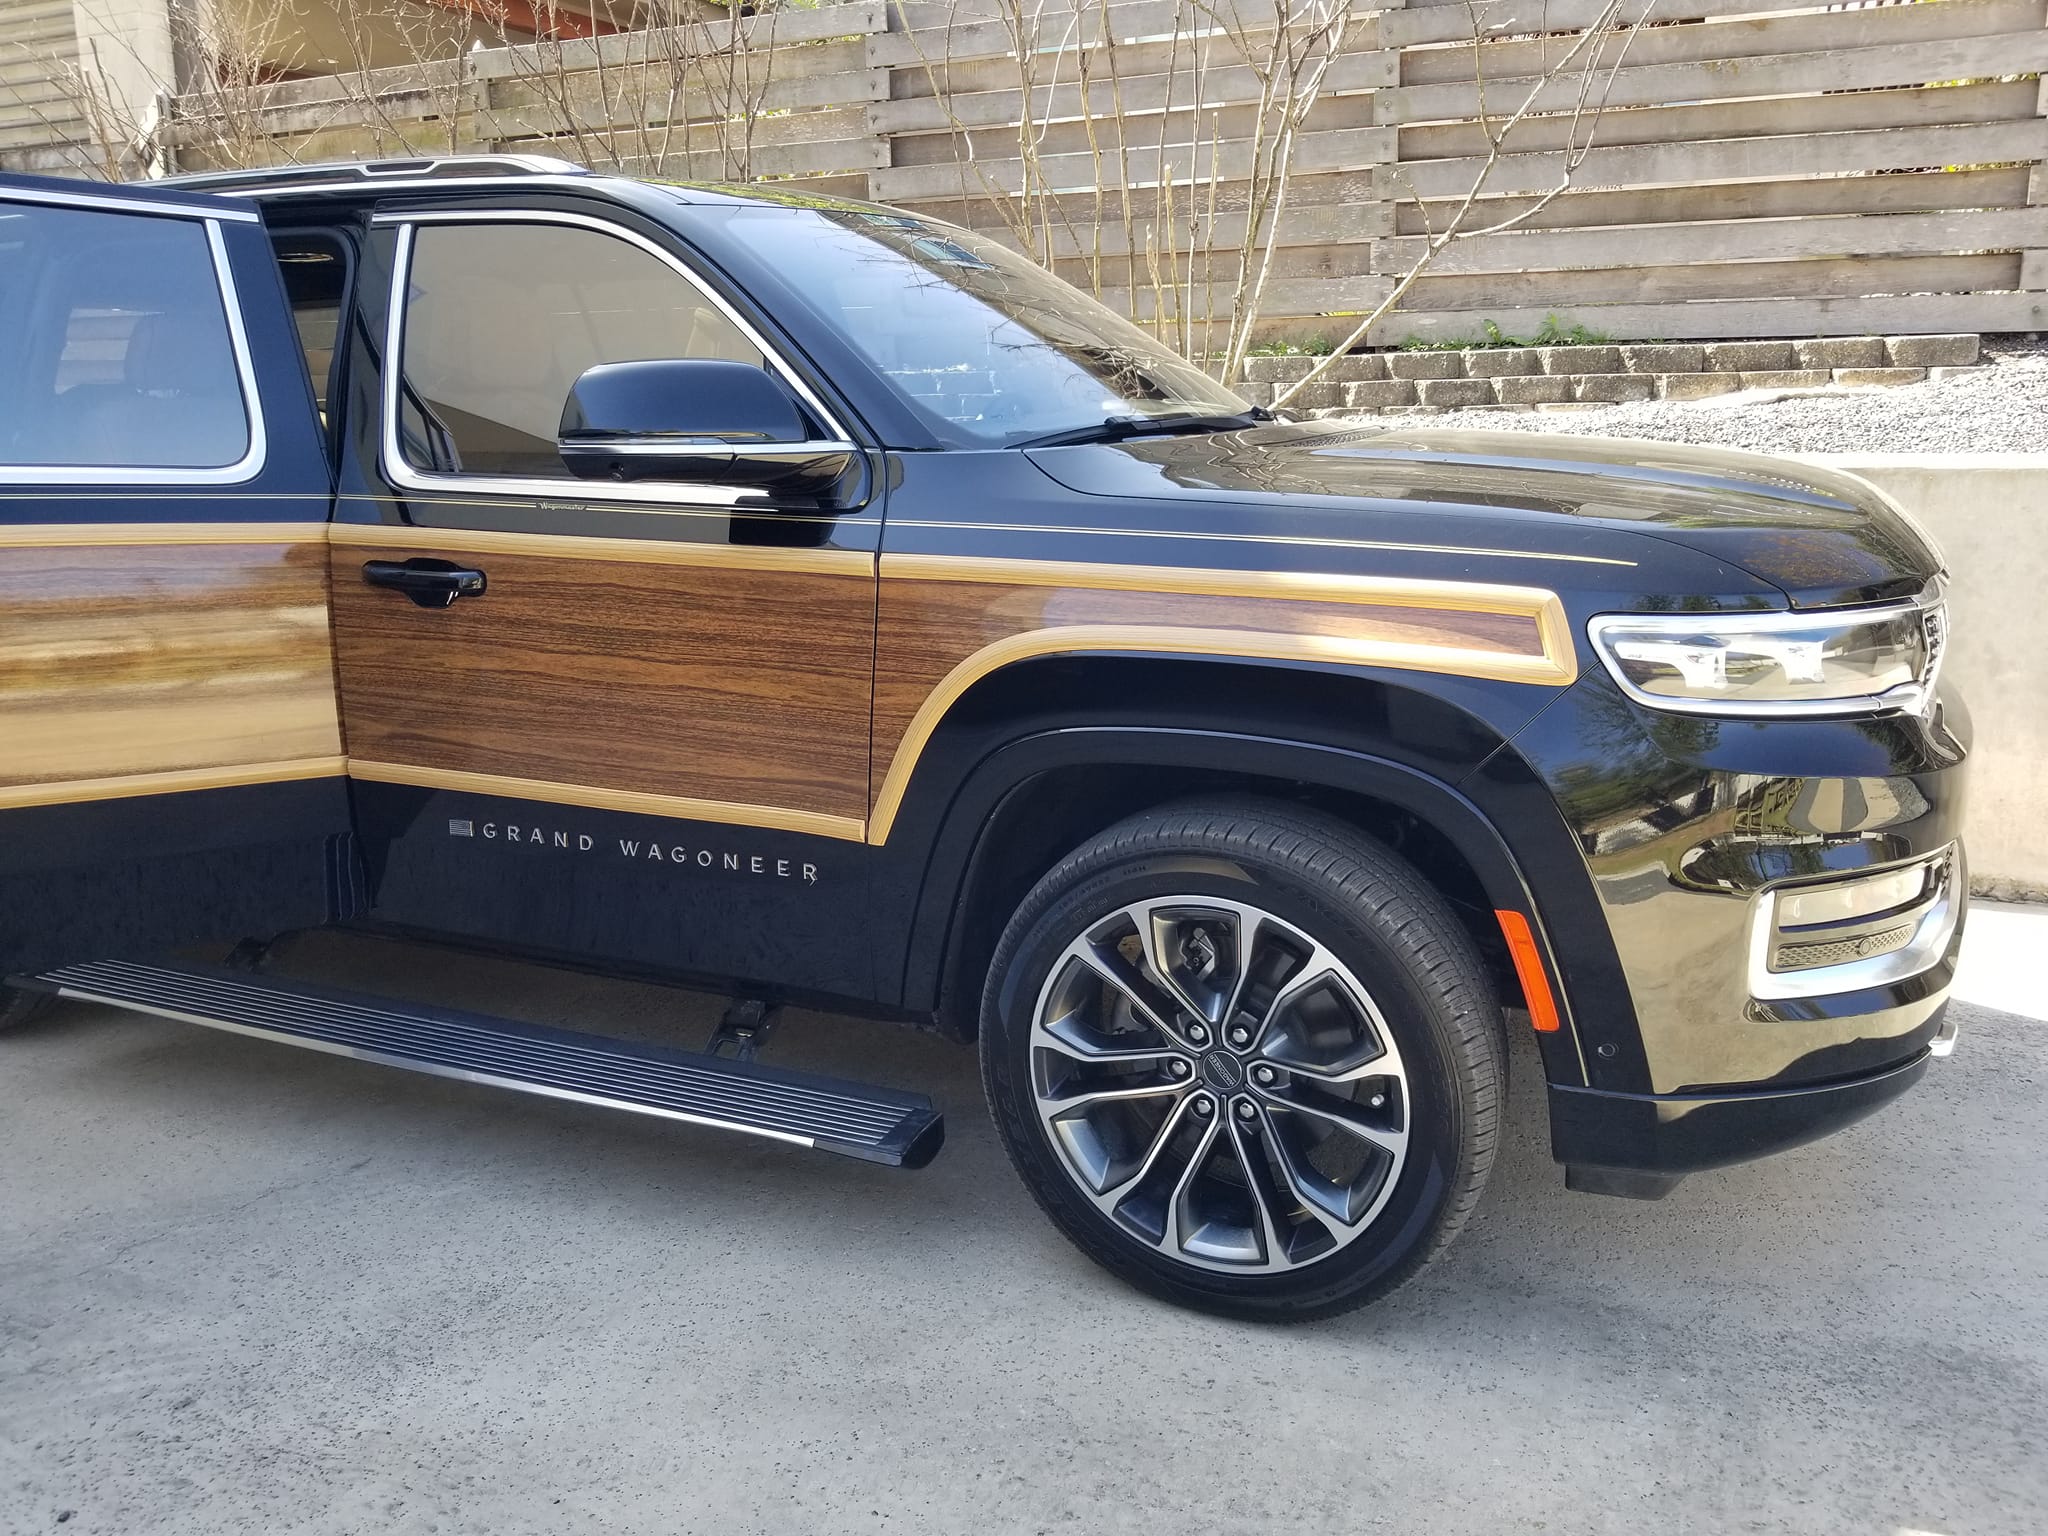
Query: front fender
x=1374, y=736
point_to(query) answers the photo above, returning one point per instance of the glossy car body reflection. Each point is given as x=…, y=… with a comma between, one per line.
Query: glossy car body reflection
x=822, y=745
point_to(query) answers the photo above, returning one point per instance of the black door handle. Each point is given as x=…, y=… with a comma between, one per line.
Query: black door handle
x=430, y=583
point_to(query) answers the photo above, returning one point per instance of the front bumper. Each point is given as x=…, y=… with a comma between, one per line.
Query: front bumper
x=1721, y=1044
x=1640, y=1144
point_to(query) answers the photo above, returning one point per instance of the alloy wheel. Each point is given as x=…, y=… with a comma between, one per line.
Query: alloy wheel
x=1219, y=1084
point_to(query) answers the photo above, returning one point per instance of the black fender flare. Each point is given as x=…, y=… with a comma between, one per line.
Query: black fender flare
x=1502, y=869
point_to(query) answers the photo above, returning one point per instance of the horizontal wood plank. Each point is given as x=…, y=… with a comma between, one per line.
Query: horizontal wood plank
x=922, y=34
x=1419, y=23
x=1929, y=190
x=1848, y=277
x=1740, y=318
x=1745, y=240
x=1991, y=101
x=1734, y=44
x=1338, y=149
x=1222, y=84
x=1918, y=62
x=1765, y=158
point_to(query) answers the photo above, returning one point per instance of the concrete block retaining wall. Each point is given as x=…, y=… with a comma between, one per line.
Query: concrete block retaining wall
x=1549, y=378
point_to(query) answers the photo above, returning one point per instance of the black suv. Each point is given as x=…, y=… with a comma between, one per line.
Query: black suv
x=821, y=602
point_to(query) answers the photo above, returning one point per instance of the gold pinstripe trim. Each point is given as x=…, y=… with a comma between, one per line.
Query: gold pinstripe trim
x=846, y=828
x=1199, y=642
x=1308, y=587
x=101, y=535
x=569, y=546
x=1297, y=540
x=171, y=782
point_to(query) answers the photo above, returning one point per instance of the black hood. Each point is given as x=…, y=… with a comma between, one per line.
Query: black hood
x=1822, y=537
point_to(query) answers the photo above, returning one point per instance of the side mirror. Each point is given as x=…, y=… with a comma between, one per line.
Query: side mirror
x=701, y=420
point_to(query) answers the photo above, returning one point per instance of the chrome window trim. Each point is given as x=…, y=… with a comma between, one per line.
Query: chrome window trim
x=114, y=202
x=1935, y=920
x=677, y=493
x=244, y=469
x=1905, y=699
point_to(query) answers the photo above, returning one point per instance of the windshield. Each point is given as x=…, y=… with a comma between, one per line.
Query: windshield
x=975, y=336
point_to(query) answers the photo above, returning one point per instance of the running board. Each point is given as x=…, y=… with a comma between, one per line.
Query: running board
x=878, y=1125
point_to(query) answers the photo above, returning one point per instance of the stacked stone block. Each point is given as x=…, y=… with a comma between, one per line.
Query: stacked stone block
x=1551, y=378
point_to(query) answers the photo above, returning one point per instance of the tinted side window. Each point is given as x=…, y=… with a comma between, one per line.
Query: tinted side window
x=502, y=318
x=315, y=272
x=121, y=355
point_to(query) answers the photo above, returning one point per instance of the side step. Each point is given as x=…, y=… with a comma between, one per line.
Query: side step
x=878, y=1125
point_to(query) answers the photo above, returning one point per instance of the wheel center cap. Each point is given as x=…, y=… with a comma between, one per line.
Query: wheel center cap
x=1222, y=1072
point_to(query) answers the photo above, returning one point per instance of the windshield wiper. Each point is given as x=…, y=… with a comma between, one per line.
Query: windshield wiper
x=1115, y=429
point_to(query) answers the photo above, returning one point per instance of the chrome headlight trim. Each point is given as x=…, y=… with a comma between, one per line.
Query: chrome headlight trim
x=1931, y=604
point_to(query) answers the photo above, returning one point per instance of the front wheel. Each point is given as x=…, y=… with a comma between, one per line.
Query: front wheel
x=1245, y=1058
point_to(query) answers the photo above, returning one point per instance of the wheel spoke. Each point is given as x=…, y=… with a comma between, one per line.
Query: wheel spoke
x=1246, y=928
x=1386, y=1139
x=1322, y=1027
x=1375, y=1066
x=1177, y=1226
x=1259, y=1180
x=1130, y=988
x=1112, y=1194
x=1319, y=968
x=1149, y=935
x=1322, y=1200
x=1069, y=1038
x=1091, y=1098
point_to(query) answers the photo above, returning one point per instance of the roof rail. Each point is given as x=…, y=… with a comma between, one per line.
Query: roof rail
x=265, y=178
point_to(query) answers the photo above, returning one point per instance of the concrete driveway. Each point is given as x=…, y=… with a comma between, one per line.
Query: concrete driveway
x=245, y=1288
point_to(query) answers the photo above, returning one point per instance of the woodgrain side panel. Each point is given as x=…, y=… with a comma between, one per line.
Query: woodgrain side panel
x=723, y=686
x=937, y=636
x=187, y=662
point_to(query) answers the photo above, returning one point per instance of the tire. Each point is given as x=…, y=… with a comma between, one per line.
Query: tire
x=1350, y=1122
x=18, y=1007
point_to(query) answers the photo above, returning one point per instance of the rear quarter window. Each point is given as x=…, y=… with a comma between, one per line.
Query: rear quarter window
x=118, y=353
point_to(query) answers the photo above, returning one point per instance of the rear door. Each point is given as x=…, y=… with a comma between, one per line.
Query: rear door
x=170, y=750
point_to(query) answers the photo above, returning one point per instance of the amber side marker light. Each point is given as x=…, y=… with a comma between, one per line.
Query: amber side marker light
x=1529, y=970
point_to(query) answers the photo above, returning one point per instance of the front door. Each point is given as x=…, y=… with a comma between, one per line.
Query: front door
x=645, y=738
x=171, y=765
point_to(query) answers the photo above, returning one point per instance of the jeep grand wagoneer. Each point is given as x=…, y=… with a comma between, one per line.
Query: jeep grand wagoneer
x=817, y=601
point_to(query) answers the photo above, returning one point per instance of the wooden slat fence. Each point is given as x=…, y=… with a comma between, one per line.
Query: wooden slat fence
x=1756, y=167
x=38, y=49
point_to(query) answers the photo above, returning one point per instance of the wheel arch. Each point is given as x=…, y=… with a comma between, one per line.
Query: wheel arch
x=1028, y=783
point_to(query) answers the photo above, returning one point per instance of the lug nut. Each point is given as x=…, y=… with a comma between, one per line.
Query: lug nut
x=1245, y=1110
x=1204, y=1105
x=1178, y=1067
x=1240, y=1036
x=1264, y=1076
x=1198, y=1034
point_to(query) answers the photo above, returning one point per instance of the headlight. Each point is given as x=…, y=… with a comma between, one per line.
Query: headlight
x=1847, y=662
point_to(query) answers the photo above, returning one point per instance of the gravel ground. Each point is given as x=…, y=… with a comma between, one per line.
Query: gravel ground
x=1999, y=408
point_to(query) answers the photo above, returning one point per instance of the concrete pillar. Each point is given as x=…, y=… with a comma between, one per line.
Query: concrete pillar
x=125, y=54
